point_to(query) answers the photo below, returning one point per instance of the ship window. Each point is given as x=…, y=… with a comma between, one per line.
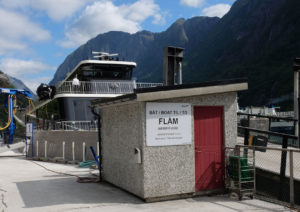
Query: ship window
x=88, y=73
x=108, y=72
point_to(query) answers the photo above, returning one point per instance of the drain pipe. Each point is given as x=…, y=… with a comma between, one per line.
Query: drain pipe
x=296, y=68
x=99, y=141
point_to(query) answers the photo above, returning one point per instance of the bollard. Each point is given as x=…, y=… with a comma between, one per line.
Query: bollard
x=63, y=149
x=73, y=151
x=45, y=149
x=37, y=149
x=83, y=151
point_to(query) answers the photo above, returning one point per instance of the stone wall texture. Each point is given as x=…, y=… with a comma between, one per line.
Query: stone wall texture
x=170, y=170
x=121, y=133
x=166, y=170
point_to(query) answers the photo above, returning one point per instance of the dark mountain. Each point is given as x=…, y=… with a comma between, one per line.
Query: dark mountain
x=145, y=48
x=4, y=80
x=256, y=39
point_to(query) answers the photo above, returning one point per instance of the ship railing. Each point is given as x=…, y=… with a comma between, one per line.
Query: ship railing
x=43, y=124
x=77, y=125
x=103, y=87
x=147, y=84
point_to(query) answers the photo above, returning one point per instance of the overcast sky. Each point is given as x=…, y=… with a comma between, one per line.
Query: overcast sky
x=37, y=35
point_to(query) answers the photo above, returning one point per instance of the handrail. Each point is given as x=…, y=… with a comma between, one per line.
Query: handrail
x=265, y=116
x=266, y=148
x=269, y=132
x=103, y=87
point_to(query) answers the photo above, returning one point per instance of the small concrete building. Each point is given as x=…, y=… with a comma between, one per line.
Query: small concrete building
x=168, y=142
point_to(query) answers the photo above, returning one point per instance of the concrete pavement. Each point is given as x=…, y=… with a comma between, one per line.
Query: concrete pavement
x=25, y=186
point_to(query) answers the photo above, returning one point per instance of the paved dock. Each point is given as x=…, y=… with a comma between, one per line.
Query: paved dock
x=25, y=186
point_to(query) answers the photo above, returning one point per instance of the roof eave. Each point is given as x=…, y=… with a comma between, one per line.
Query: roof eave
x=171, y=94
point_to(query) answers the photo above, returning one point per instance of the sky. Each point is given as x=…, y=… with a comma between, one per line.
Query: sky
x=37, y=35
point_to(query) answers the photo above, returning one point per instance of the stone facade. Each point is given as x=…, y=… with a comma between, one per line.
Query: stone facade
x=165, y=171
x=122, y=132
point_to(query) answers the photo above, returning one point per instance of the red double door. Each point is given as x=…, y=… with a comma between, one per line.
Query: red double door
x=209, y=141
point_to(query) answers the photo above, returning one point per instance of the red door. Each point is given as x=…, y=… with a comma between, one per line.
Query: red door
x=209, y=157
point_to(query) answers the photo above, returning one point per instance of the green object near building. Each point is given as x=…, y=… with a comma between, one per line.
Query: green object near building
x=234, y=168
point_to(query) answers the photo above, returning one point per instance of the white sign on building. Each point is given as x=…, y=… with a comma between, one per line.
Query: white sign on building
x=29, y=129
x=168, y=124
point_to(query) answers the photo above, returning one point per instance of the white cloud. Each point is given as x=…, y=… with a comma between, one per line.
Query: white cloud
x=32, y=84
x=140, y=10
x=103, y=16
x=218, y=10
x=57, y=10
x=14, y=28
x=16, y=67
x=29, y=71
x=192, y=3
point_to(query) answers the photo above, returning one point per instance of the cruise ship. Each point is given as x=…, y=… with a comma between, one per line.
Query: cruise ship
x=105, y=76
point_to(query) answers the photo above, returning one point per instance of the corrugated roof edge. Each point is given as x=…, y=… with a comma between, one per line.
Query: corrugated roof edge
x=133, y=96
x=191, y=85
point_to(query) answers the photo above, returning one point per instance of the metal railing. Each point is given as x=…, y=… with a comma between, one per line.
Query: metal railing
x=103, y=87
x=274, y=180
x=77, y=125
x=44, y=124
x=147, y=84
x=281, y=125
x=277, y=165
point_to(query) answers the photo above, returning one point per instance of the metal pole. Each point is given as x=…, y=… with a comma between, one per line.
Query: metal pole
x=83, y=151
x=45, y=149
x=254, y=172
x=297, y=104
x=296, y=95
x=292, y=201
x=179, y=72
x=26, y=146
x=100, y=148
x=239, y=173
x=32, y=151
x=246, y=137
x=63, y=149
x=99, y=142
x=73, y=151
x=37, y=148
x=283, y=166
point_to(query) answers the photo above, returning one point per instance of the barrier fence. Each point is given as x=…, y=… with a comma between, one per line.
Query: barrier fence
x=273, y=181
x=277, y=164
x=103, y=87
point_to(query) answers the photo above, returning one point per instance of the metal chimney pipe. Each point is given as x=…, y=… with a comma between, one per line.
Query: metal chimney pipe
x=172, y=66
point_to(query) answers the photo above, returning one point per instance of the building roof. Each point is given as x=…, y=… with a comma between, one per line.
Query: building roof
x=176, y=91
